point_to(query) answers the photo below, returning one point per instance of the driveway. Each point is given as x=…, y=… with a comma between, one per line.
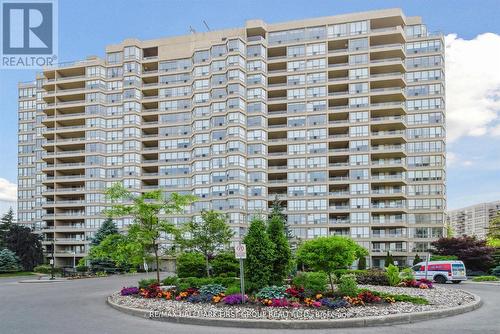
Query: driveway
x=78, y=307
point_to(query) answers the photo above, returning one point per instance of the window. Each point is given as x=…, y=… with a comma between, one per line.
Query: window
x=316, y=49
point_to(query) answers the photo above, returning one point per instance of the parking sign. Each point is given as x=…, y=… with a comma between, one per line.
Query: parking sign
x=240, y=251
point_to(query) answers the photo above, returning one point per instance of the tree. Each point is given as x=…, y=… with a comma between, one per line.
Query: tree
x=494, y=228
x=282, y=252
x=119, y=250
x=9, y=262
x=362, y=263
x=224, y=263
x=26, y=245
x=107, y=228
x=146, y=209
x=417, y=260
x=5, y=224
x=207, y=236
x=277, y=209
x=388, y=260
x=329, y=253
x=260, y=254
x=475, y=254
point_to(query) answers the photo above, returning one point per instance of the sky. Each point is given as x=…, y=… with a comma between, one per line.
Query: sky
x=472, y=31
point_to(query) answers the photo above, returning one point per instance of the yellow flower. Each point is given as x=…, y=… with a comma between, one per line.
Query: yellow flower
x=319, y=295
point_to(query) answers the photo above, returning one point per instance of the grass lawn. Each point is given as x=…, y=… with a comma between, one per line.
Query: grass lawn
x=16, y=274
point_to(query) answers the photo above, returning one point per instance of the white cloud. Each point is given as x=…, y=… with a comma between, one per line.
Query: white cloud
x=472, y=86
x=8, y=191
x=456, y=160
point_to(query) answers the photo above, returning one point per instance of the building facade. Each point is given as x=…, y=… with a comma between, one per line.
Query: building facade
x=473, y=220
x=341, y=117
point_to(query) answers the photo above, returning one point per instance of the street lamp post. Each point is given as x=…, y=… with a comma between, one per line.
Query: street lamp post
x=53, y=260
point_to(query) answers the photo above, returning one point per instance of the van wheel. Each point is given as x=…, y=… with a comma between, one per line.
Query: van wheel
x=456, y=282
x=440, y=279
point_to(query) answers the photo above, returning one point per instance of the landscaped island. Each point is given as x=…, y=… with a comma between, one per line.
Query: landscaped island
x=308, y=297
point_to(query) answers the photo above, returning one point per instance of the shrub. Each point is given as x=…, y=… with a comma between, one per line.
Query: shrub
x=82, y=269
x=225, y=264
x=9, y=262
x=171, y=280
x=212, y=289
x=372, y=277
x=393, y=275
x=46, y=269
x=388, y=260
x=496, y=271
x=347, y=285
x=340, y=272
x=191, y=265
x=407, y=274
x=443, y=257
x=144, y=283
x=485, y=278
x=272, y=292
x=232, y=290
x=311, y=282
x=199, y=298
x=389, y=297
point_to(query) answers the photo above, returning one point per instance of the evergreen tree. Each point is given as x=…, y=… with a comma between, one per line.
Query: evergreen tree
x=107, y=228
x=282, y=253
x=9, y=262
x=26, y=245
x=388, y=260
x=5, y=224
x=416, y=260
x=362, y=263
x=260, y=254
x=277, y=210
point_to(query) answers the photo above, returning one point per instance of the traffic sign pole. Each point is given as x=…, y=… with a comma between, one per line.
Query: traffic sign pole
x=242, y=281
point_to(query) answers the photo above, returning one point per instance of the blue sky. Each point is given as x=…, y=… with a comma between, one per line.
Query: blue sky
x=86, y=27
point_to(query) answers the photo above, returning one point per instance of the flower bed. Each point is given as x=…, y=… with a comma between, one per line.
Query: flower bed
x=291, y=303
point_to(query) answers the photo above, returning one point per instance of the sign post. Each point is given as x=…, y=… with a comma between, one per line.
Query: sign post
x=240, y=252
x=427, y=259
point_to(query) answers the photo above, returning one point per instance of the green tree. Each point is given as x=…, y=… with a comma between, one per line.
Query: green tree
x=5, y=224
x=210, y=234
x=282, y=253
x=362, y=263
x=107, y=228
x=260, y=254
x=277, y=209
x=120, y=249
x=224, y=263
x=417, y=260
x=146, y=209
x=9, y=262
x=329, y=253
x=494, y=228
x=26, y=245
x=388, y=260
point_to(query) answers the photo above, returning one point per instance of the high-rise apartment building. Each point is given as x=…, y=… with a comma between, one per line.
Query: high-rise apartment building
x=341, y=117
x=473, y=220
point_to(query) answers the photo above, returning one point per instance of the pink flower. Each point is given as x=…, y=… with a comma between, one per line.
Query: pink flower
x=316, y=304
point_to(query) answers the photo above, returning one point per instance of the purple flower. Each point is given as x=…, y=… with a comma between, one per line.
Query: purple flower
x=233, y=299
x=129, y=291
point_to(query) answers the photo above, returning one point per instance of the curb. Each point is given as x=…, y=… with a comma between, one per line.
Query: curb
x=43, y=281
x=395, y=319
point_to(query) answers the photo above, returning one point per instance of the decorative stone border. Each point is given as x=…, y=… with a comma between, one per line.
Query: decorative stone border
x=394, y=319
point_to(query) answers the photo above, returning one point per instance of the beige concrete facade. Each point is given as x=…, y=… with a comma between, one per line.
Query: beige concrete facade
x=473, y=220
x=341, y=117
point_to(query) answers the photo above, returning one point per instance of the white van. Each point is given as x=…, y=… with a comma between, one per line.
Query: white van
x=441, y=271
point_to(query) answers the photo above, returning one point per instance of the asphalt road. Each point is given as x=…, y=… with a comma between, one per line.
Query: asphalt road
x=78, y=307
